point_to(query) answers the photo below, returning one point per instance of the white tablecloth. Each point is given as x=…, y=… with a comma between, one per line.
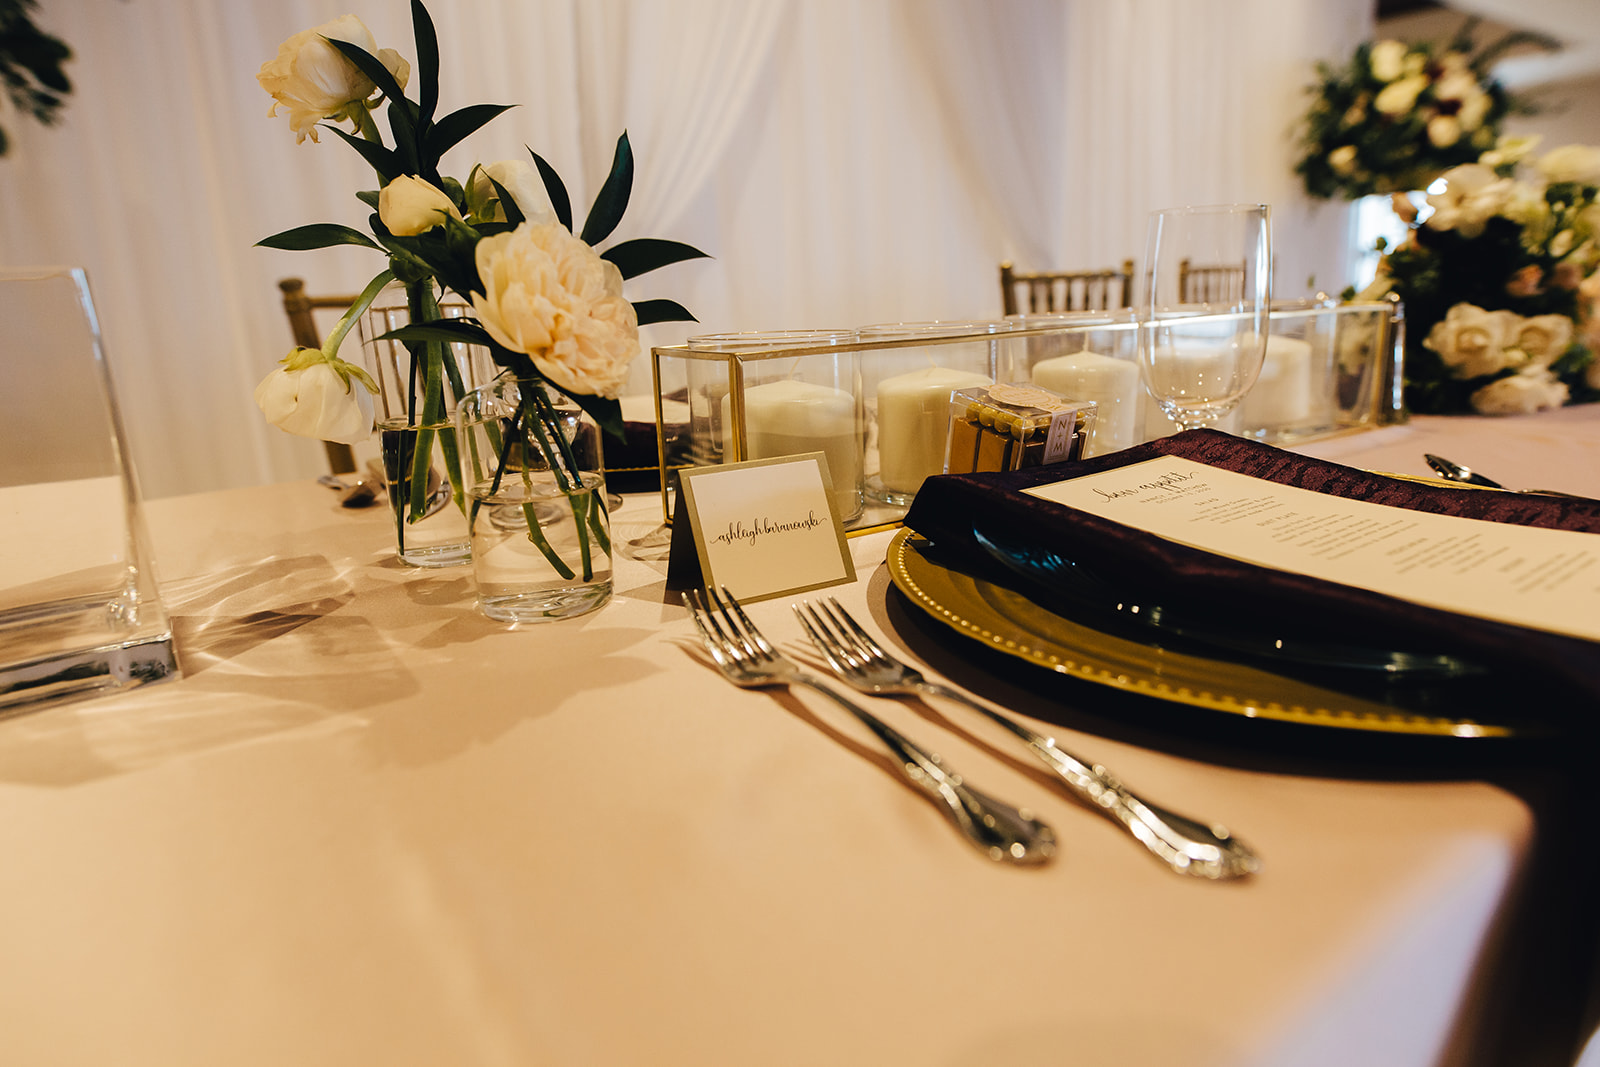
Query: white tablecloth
x=369, y=826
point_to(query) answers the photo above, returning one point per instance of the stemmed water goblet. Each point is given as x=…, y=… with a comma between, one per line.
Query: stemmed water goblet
x=1204, y=308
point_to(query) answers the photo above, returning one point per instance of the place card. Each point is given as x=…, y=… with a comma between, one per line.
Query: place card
x=1529, y=576
x=763, y=528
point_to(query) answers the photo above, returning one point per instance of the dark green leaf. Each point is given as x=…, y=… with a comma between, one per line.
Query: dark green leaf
x=560, y=203
x=450, y=331
x=661, y=311
x=634, y=258
x=369, y=197
x=608, y=413
x=459, y=125
x=403, y=124
x=427, y=63
x=402, y=121
x=514, y=215
x=383, y=160
x=613, y=198
x=317, y=235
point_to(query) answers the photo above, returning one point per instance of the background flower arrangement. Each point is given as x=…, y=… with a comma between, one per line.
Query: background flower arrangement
x=1500, y=284
x=1395, y=116
x=547, y=305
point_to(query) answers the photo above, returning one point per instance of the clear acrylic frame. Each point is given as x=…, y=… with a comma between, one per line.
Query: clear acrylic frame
x=80, y=613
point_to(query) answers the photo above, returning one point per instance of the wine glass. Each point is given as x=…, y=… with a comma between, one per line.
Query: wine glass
x=1203, y=333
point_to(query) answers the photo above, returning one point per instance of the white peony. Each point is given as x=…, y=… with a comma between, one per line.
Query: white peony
x=550, y=295
x=1544, y=338
x=1399, y=97
x=314, y=81
x=1571, y=163
x=1386, y=58
x=1473, y=342
x=311, y=396
x=1472, y=196
x=1532, y=389
x=517, y=177
x=409, y=206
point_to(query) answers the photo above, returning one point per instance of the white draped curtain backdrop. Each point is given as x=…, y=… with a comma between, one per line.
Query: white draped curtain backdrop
x=845, y=162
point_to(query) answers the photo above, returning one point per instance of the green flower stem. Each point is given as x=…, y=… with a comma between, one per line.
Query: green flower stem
x=536, y=535
x=579, y=519
x=547, y=428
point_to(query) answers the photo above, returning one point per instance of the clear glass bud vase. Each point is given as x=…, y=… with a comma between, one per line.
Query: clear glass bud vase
x=535, y=481
x=419, y=386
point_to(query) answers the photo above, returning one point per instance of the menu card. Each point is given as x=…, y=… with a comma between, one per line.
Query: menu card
x=1536, y=577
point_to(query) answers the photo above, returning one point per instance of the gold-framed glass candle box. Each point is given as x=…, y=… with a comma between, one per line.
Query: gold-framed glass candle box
x=877, y=400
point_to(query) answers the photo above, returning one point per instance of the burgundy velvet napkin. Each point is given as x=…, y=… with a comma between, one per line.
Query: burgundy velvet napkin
x=950, y=509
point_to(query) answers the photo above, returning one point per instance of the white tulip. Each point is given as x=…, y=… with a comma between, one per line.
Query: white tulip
x=310, y=397
x=315, y=81
x=548, y=294
x=409, y=206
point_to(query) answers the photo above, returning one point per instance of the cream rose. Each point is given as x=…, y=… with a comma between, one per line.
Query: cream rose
x=409, y=206
x=1544, y=338
x=1399, y=97
x=1509, y=151
x=314, y=81
x=313, y=396
x=1472, y=195
x=550, y=295
x=1386, y=58
x=1473, y=342
x=1571, y=163
x=1530, y=390
x=1444, y=131
x=1343, y=159
x=519, y=179
x=1474, y=109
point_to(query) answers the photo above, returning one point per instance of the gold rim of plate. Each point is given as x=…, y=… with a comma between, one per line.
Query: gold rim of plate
x=1010, y=623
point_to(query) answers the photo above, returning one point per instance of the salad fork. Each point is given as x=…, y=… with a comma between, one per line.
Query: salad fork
x=748, y=660
x=1185, y=845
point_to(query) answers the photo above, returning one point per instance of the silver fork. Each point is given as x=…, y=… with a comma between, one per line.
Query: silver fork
x=1186, y=845
x=748, y=660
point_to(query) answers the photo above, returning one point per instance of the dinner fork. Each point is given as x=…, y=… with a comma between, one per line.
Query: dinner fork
x=1186, y=845
x=748, y=660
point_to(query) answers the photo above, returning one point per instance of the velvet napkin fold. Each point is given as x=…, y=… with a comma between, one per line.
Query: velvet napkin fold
x=949, y=509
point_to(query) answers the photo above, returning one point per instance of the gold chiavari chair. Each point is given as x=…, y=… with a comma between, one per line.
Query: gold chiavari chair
x=1065, y=290
x=1210, y=284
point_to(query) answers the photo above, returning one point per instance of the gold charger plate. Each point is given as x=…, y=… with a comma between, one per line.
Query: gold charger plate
x=1009, y=622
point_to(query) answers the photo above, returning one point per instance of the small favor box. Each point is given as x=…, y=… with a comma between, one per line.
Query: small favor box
x=1008, y=426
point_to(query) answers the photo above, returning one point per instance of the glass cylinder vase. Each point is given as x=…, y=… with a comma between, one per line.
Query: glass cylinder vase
x=535, y=481
x=419, y=386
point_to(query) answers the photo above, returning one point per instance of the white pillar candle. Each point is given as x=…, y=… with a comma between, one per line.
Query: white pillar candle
x=789, y=417
x=1113, y=384
x=1282, y=393
x=913, y=422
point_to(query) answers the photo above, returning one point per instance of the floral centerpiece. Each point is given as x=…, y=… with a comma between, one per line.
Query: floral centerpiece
x=547, y=305
x=1396, y=116
x=1500, y=284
